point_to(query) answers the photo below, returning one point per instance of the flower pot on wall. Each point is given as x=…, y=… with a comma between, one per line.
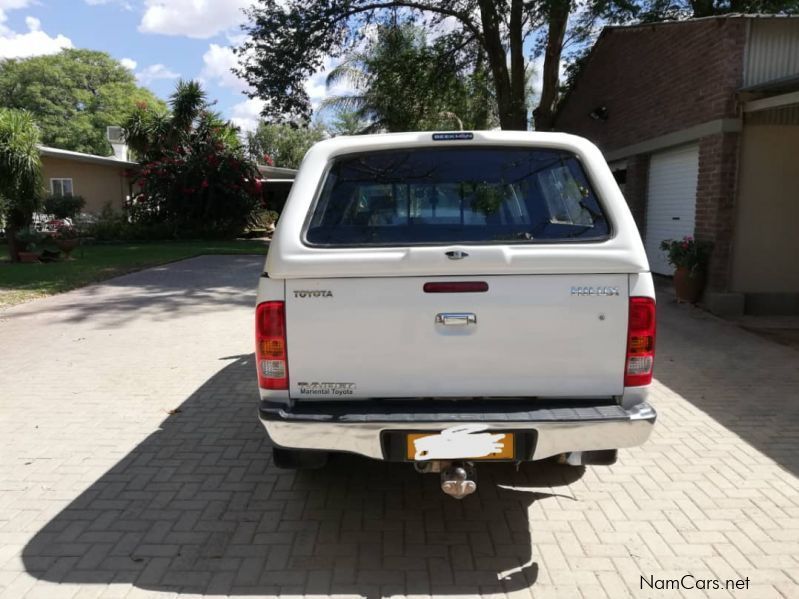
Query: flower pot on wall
x=688, y=286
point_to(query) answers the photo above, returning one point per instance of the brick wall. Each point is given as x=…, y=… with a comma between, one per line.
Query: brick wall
x=656, y=80
x=661, y=79
x=635, y=189
x=715, y=202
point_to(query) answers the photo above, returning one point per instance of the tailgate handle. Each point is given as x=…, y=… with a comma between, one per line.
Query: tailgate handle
x=456, y=319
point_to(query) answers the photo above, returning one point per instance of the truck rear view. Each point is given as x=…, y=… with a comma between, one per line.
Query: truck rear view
x=449, y=298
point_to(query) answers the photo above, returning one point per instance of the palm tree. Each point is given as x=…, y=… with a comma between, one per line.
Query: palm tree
x=400, y=82
x=20, y=173
x=354, y=73
x=188, y=102
x=149, y=132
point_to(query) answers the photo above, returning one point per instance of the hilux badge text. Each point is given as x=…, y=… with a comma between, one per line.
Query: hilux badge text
x=595, y=291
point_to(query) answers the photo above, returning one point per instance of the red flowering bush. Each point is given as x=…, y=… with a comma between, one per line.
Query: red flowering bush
x=193, y=176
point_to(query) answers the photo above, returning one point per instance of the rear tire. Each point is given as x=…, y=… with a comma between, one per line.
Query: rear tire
x=298, y=459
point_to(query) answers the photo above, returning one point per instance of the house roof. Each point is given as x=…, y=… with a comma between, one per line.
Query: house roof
x=762, y=89
x=272, y=173
x=775, y=86
x=81, y=157
x=276, y=173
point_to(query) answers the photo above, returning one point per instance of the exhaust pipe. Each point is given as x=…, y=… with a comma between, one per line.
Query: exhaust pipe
x=457, y=480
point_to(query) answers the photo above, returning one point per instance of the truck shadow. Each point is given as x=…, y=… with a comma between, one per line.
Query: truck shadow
x=198, y=507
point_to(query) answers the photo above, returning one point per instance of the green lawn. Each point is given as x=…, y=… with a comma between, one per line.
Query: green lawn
x=22, y=282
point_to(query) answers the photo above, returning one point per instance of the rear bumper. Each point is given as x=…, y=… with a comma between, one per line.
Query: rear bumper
x=373, y=429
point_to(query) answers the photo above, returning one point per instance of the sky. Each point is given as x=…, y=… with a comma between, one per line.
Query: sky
x=158, y=40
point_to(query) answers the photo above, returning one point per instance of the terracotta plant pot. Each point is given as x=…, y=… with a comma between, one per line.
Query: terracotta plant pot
x=67, y=245
x=28, y=257
x=688, y=287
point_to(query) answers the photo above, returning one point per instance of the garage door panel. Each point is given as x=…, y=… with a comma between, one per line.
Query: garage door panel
x=671, y=201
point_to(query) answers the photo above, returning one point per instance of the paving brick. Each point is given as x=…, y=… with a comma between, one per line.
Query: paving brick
x=122, y=499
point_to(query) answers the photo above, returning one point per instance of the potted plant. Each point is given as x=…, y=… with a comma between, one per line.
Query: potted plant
x=66, y=238
x=28, y=242
x=690, y=258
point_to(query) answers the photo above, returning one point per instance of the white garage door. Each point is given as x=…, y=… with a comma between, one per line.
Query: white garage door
x=671, y=202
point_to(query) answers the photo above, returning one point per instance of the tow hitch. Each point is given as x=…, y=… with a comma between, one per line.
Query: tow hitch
x=458, y=479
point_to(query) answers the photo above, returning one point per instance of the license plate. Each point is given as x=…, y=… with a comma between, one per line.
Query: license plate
x=468, y=442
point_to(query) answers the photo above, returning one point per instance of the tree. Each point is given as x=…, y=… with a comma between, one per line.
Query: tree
x=402, y=83
x=288, y=40
x=282, y=144
x=20, y=173
x=661, y=10
x=195, y=179
x=347, y=122
x=73, y=96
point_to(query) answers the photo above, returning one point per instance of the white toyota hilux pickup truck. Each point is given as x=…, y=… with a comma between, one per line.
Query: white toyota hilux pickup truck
x=448, y=298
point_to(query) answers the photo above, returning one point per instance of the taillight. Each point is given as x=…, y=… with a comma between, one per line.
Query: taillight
x=640, y=342
x=270, y=345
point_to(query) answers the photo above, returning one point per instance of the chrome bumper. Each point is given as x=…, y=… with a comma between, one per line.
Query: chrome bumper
x=556, y=431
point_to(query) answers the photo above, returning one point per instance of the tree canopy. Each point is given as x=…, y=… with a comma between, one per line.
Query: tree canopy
x=282, y=144
x=346, y=121
x=289, y=39
x=403, y=83
x=73, y=96
x=661, y=10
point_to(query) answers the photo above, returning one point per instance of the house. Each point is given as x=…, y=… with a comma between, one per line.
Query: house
x=103, y=180
x=100, y=180
x=699, y=120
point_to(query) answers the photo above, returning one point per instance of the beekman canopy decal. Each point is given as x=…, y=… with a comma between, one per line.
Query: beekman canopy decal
x=452, y=136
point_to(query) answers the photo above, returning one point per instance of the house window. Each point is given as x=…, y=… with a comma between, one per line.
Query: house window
x=61, y=187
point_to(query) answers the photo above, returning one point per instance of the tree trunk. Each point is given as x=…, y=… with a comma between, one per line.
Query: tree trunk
x=517, y=66
x=13, y=244
x=482, y=96
x=508, y=103
x=558, y=19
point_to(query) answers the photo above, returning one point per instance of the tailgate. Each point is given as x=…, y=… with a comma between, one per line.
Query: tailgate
x=549, y=336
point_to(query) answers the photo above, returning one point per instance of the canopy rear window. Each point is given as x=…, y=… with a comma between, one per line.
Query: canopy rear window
x=456, y=195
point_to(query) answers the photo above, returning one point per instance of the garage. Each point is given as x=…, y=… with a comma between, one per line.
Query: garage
x=671, y=201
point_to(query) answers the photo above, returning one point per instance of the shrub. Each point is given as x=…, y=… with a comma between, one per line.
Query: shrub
x=30, y=240
x=115, y=226
x=64, y=206
x=194, y=177
x=265, y=219
x=65, y=232
x=208, y=190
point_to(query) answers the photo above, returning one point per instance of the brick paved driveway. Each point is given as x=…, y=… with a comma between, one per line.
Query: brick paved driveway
x=132, y=464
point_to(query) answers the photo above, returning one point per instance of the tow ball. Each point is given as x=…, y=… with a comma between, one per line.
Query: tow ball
x=458, y=479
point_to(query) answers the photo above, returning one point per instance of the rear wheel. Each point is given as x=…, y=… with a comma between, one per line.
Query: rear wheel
x=298, y=459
